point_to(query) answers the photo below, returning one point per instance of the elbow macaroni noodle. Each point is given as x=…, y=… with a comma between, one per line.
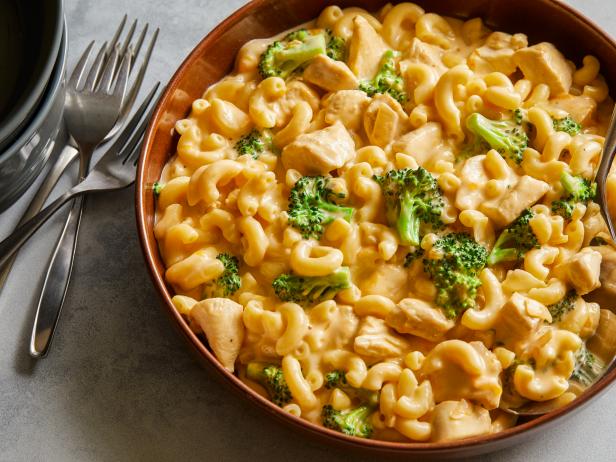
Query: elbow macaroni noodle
x=385, y=332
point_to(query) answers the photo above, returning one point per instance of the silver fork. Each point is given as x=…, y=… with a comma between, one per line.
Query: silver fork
x=92, y=107
x=70, y=152
x=115, y=170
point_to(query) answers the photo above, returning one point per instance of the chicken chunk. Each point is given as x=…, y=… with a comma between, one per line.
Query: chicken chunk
x=376, y=340
x=507, y=208
x=366, y=49
x=603, y=343
x=221, y=321
x=543, y=63
x=606, y=294
x=421, y=143
x=330, y=75
x=348, y=107
x=416, y=317
x=497, y=53
x=319, y=152
x=384, y=120
x=425, y=53
x=384, y=279
x=455, y=420
x=581, y=108
x=519, y=318
x=583, y=271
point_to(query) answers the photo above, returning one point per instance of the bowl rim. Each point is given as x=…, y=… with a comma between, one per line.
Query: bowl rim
x=150, y=252
x=27, y=105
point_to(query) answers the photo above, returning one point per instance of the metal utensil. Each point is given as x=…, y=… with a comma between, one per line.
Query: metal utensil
x=115, y=170
x=70, y=152
x=607, y=157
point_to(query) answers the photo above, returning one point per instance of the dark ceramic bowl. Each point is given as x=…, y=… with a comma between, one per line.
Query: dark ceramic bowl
x=213, y=58
x=25, y=157
x=30, y=38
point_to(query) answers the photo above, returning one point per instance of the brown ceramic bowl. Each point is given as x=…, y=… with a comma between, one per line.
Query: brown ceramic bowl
x=213, y=58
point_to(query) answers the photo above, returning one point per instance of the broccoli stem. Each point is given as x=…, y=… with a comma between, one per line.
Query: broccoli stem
x=408, y=222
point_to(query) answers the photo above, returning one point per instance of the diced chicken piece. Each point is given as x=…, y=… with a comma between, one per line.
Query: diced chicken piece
x=416, y=317
x=543, y=63
x=507, y=208
x=460, y=370
x=519, y=318
x=582, y=319
x=221, y=320
x=348, y=107
x=455, y=420
x=497, y=53
x=376, y=340
x=581, y=108
x=474, y=177
x=583, y=271
x=337, y=331
x=385, y=279
x=603, y=343
x=605, y=295
x=420, y=143
x=366, y=49
x=421, y=52
x=330, y=75
x=384, y=120
x=319, y=152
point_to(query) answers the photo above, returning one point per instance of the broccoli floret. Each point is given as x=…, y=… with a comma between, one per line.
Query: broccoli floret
x=336, y=47
x=506, y=136
x=567, y=125
x=337, y=379
x=455, y=271
x=519, y=116
x=411, y=257
x=587, y=367
x=253, y=144
x=514, y=241
x=412, y=197
x=597, y=241
x=353, y=422
x=157, y=188
x=387, y=80
x=228, y=282
x=311, y=289
x=270, y=377
x=283, y=57
x=577, y=190
x=312, y=206
x=559, y=309
x=475, y=147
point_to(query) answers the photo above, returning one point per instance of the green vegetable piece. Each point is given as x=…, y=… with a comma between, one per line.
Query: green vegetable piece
x=514, y=241
x=559, y=309
x=312, y=206
x=352, y=422
x=587, y=369
x=253, y=144
x=270, y=377
x=412, y=199
x=228, y=282
x=505, y=136
x=311, y=289
x=157, y=188
x=567, y=125
x=576, y=190
x=387, y=80
x=455, y=272
x=282, y=58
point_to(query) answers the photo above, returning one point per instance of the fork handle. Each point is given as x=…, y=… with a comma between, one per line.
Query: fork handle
x=20, y=236
x=56, y=283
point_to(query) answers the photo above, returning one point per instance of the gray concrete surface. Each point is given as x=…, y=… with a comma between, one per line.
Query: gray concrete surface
x=119, y=385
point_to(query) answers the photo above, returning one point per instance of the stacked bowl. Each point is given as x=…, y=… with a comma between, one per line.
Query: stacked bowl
x=32, y=61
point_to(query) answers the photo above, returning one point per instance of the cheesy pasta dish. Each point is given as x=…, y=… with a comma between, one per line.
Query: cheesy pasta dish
x=384, y=223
